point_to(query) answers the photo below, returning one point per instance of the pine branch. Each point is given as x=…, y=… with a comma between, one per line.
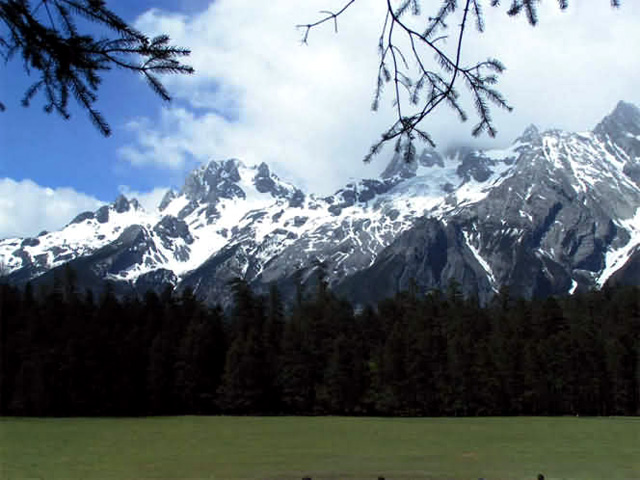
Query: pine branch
x=420, y=87
x=68, y=61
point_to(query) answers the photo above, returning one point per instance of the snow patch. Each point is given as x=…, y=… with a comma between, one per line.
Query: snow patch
x=574, y=286
x=615, y=259
x=483, y=263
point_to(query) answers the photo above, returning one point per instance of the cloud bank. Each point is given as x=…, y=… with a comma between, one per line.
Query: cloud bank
x=26, y=208
x=259, y=95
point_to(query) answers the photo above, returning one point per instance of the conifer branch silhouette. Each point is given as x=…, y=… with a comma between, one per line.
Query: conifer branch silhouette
x=420, y=85
x=69, y=63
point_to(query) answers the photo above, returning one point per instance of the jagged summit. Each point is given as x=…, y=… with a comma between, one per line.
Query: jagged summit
x=120, y=205
x=626, y=114
x=123, y=204
x=620, y=132
x=398, y=168
x=212, y=181
x=167, y=199
x=531, y=135
x=623, y=122
x=232, y=179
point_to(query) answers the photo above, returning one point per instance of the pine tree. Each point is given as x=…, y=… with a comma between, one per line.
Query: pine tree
x=296, y=379
x=201, y=361
x=247, y=381
x=272, y=339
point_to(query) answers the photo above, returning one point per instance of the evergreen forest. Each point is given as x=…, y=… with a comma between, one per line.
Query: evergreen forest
x=70, y=353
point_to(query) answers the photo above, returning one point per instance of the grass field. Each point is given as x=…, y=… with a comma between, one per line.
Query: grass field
x=231, y=448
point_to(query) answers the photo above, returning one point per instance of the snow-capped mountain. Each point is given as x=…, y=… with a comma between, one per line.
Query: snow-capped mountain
x=552, y=213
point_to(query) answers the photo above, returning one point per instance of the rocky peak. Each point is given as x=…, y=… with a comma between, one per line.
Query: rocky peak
x=474, y=165
x=263, y=170
x=620, y=130
x=262, y=179
x=399, y=169
x=267, y=182
x=530, y=135
x=166, y=200
x=625, y=117
x=214, y=180
x=123, y=204
x=623, y=123
x=229, y=169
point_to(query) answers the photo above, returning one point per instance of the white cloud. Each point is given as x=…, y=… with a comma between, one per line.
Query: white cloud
x=155, y=147
x=27, y=208
x=149, y=200
x=572, y=69
x=260, y=96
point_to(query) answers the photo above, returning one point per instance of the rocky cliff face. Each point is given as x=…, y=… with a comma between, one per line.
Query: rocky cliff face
x=561, y=215
x=553, y=213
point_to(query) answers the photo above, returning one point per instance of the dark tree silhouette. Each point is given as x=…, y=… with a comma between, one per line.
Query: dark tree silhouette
x=413, y=354
x=419, y=83
x=68, y=62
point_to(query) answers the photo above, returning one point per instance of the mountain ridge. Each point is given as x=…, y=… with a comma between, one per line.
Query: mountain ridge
x=552, y=213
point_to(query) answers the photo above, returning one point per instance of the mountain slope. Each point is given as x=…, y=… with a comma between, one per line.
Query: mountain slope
x=563, y=216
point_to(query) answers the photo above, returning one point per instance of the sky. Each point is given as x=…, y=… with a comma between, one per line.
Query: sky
x=259, y=95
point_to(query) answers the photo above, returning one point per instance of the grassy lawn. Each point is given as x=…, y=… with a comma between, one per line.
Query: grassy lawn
x=288, y=448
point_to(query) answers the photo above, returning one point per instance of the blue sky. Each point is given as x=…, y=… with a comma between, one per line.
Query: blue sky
x=259, y=95
x=58, y=153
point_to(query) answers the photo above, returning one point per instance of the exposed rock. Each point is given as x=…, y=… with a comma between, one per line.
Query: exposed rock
x=121, y=204
x=84, y=216
x=30, y=242
x=167, y=199
x=102, y=214
x=173, y=227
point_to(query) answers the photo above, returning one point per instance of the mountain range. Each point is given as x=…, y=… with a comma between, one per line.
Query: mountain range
x=554, y=213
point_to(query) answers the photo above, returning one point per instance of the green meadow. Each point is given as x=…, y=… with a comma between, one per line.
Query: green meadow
x=323, y=448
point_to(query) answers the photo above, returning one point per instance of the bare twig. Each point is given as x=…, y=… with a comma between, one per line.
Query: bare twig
x=328, y=17
x=426, y=86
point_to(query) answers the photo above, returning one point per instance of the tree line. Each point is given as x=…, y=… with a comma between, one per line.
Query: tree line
x=70, y=354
